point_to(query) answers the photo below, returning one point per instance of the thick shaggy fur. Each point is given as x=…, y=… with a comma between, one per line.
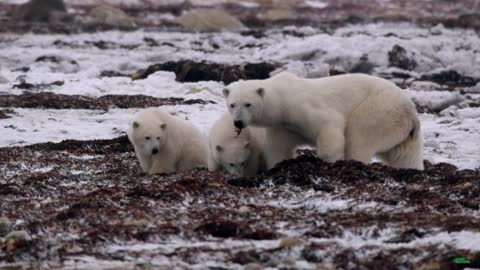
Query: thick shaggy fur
x=239, y=154
x=165, y=143
x=352, y=116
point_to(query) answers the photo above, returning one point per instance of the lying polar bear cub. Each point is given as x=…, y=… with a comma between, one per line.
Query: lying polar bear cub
x=239, y=154
x=352, y=116
x=165, y=143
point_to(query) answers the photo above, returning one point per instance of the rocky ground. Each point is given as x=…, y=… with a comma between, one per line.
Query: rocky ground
x=72, y=193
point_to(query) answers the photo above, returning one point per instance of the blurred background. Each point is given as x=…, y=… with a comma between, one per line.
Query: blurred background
x=88, y=15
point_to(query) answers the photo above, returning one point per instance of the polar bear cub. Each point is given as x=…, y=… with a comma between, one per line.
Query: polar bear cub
x=352, y=116
x=238, y=154
x=165, y=143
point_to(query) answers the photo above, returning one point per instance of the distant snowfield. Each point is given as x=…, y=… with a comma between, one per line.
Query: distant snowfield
x=450, y=137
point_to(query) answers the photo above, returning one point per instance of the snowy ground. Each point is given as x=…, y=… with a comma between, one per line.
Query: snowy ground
x=450, y=136
x=91, y=206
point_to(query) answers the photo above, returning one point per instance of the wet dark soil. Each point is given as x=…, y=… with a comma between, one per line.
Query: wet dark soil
x=96, y=191
x=191, y=71
x=47, y=100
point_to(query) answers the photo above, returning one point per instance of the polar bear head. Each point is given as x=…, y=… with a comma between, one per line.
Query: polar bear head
x=245, y=102
x=233, y=156
x=148, y=137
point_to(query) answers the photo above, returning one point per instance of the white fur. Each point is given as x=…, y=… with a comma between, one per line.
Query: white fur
x=180, y=145
x=242, y=154
x=352, y=116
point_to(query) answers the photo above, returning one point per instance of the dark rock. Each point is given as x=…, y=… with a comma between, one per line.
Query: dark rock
x=190, y=71
x=398, y=57
x=117, y=145
x=333, y=72
x=407, y=236
x=150, y=42
x=47, y=100
x=38, y=10
x=471, y=20
x=58, y=63
x=221, y=228
x=450, y=78
x=254, y=33
x=4, y=114
x=41, y=86
x=227, y=228
x=112, y=73
x=363, y=66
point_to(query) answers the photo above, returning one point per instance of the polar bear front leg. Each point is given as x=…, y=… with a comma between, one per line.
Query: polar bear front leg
x=162, y=165
x=212, y=164
x=145, y=162
x=279, y=145
x=331, y=143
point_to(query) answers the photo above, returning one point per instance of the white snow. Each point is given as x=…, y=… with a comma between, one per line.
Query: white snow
x=467, y=240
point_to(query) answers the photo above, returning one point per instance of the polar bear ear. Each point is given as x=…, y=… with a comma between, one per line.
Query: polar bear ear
x=219, y=148
x=260, y=91
x=163, y=126
x=226, y=92
x=135, y=124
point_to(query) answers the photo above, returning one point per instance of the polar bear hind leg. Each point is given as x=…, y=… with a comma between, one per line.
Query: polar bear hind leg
x=385, y=125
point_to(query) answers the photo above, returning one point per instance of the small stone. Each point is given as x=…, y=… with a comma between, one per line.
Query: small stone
x=448, y=101
x=437, y=29
x=5, y=225
x=3, y=80
x=18, y=236
x=108, y=15
x=136, y=222
x=291, y=242
x=244, y=209
x=210, y=20
x=463, y=186
x=252, y=266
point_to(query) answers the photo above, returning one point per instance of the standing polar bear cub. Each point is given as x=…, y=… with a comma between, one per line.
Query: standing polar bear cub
x=239, y=154
x=352, y=116
x=165, y=143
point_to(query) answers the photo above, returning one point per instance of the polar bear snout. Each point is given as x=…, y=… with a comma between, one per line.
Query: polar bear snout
x=154, y=151
x=238, y=124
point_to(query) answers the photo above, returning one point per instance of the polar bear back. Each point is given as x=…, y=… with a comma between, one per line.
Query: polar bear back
x=342, y=92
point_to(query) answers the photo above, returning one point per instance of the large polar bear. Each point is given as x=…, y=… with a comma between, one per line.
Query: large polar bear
x=352, y=116
x=239, y=154
x=165, y=143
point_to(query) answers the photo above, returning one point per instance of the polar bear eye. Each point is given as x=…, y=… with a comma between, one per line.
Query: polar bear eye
x=147, y=138
x=248, y=105
x=232, y=105
x=242, y=164
x=158, y=138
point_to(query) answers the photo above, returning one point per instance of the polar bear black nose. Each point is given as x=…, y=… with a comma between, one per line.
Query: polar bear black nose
x=154, y=151
x=238, y=124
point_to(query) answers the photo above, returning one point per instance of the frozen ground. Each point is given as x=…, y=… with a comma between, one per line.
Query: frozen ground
x=87, y=205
